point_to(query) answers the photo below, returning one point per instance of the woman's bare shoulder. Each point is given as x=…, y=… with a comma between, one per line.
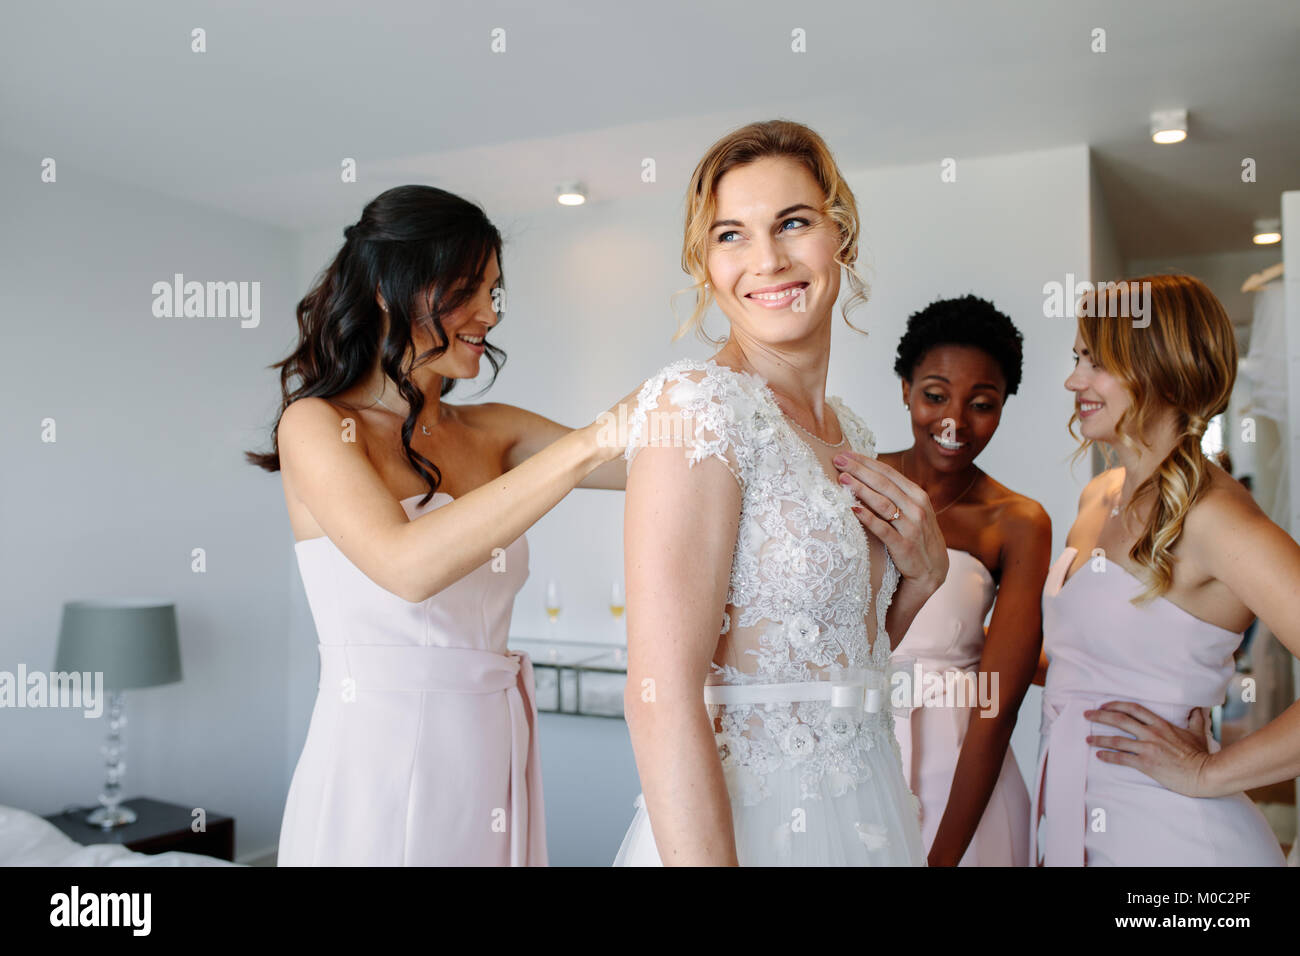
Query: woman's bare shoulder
x=1016, y=516
x=310, y=414
x=1225, y=508
x=1014, y=507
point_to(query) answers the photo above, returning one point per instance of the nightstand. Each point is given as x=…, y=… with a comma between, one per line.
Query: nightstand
x=159, y=827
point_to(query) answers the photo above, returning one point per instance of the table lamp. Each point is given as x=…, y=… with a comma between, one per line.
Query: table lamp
x=134, y=644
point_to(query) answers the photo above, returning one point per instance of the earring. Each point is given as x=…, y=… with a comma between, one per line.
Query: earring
x=907, y=406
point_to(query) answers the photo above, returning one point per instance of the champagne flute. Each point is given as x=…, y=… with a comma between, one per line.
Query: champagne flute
x=617, y=605
x=617, y=602
x=553, y=604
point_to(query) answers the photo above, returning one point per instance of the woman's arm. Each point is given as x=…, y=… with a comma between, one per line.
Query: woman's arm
x=528, y=433
x=680, y=528
x=1040, y=673
x=1260, y=563
x=1011, y=652
x=330, y=473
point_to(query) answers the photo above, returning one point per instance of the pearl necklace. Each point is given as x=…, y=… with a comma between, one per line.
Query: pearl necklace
x=822, y=440
x=790, y=419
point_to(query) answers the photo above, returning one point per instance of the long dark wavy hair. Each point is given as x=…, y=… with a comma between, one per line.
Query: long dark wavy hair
x=410, y=241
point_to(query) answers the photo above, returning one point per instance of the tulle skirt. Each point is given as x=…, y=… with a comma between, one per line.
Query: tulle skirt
x=872, y=823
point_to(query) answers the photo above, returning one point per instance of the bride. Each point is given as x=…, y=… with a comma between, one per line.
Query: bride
x=756, y=562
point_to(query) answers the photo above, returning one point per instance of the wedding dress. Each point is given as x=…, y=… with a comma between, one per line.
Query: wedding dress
x=798, y=690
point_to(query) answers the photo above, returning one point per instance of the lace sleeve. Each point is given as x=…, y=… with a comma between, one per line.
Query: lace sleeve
x=860, y=436
x=684, y=406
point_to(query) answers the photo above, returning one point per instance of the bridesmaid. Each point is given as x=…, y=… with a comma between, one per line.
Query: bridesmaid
x=1167, y=563
x=959, y=361
x=409, y=514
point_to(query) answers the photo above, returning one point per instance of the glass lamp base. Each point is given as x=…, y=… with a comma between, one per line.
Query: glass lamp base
x=108, y=819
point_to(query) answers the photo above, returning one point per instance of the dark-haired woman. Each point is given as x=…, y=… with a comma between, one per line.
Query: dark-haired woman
x=959, y=361
x=409, y=514
x=1165, y=566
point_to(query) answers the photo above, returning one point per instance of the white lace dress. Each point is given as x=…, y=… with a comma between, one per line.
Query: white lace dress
x=798, y=691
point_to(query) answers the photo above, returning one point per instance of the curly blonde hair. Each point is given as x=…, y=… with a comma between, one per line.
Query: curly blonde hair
x=739, y=148
x=1185, y=359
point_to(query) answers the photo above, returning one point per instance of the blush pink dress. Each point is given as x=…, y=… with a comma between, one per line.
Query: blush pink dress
x=1100, y=647
x=422, y=749
x=947, y=636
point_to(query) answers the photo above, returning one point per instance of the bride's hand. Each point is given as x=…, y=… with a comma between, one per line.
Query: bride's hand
x=898, y=512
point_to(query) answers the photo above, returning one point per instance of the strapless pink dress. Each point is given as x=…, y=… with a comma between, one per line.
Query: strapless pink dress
x=422, y=749
x=1101, y=648
x=948, y=635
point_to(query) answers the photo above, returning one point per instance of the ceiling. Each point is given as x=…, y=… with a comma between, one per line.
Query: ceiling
x=258, y=125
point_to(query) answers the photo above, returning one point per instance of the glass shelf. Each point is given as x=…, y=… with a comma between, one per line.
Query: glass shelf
x=577, y=677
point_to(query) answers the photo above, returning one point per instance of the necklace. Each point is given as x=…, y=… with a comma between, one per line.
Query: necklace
x=790, y=419
x=1119, y=500
x=396, y=412
x=955, y=500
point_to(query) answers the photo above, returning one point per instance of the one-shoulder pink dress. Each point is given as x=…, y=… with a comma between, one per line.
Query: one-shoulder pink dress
x=422, y=749
x=1100, y=647
x=947, y=638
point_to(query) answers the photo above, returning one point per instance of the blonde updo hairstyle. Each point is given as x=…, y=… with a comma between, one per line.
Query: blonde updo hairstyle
x=1184, y=360
x=773, y=138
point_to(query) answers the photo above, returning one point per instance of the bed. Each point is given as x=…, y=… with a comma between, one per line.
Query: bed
x=28, y=840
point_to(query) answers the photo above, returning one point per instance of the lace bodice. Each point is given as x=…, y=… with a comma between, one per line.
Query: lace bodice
x=800, y=602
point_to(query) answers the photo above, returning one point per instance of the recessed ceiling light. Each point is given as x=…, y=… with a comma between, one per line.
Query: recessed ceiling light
x=1168, y=126
x=1268, y=231
x=571, y=194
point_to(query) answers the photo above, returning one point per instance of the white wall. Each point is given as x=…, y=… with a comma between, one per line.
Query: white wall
x=152, y=418
x=1107, y=258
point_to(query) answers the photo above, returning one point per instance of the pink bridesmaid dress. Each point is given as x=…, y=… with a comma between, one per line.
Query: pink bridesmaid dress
x=422, y=749
x=947, y=636
x=1100, y=648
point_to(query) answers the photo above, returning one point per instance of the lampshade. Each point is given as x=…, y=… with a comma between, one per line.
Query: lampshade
x=134, y=643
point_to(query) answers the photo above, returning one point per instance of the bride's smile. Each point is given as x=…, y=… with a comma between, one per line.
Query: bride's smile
x=771, y=255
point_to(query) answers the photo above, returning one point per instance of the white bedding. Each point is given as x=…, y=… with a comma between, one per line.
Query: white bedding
x=28, y=840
